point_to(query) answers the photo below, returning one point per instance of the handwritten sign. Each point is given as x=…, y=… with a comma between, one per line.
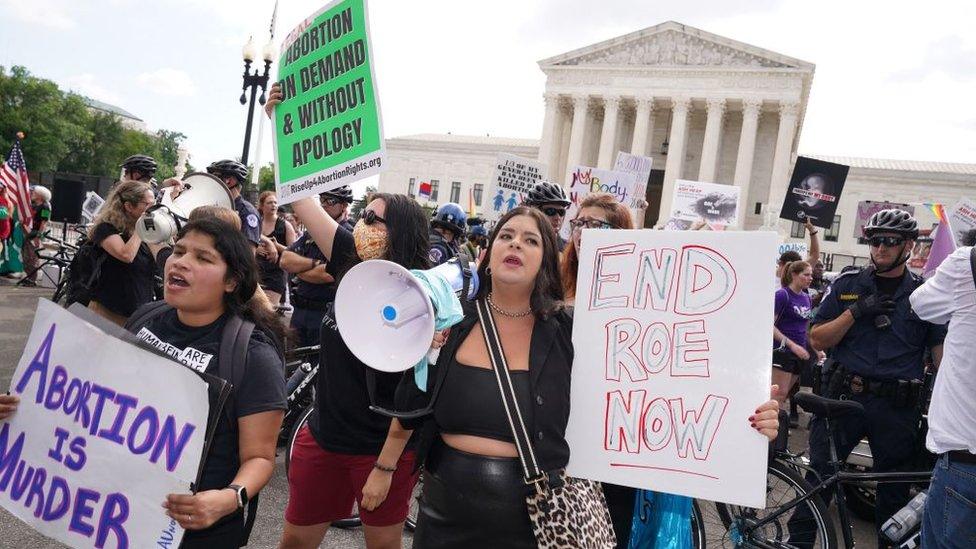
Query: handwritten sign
x=798, y=247
x=962, y=218
x=513, y=177
x=103, y=432
x=696, y=201
x=328, y=126
x=672, y=346
x=585, y=181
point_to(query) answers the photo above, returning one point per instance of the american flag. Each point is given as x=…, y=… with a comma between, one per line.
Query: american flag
x=15, y=182
x=17, y=186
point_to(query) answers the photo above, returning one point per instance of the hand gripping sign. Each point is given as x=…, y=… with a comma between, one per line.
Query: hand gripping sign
x=103, y=433
x=672, y=336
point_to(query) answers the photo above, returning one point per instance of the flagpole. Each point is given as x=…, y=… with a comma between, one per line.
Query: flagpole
x=257, y=152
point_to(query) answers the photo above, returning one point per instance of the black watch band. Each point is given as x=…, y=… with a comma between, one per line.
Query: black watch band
x=241, y=495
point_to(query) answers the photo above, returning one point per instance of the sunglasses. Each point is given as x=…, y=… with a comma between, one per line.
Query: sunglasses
x=370, y=217
x=554, y=212
x=887, y=241
x=591, y=224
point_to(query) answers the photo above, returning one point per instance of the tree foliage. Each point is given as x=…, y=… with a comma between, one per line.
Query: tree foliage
x=359, y=205
x=63, y=134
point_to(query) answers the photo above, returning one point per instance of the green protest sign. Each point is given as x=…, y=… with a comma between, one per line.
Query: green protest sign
x=328, y=129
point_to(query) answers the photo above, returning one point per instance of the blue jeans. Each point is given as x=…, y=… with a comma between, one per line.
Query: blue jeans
x=950, y=510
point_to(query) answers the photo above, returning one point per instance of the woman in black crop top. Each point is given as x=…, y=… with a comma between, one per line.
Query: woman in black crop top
x=474, y=492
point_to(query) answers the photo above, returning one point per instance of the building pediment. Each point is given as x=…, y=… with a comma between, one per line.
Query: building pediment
x=674, y=45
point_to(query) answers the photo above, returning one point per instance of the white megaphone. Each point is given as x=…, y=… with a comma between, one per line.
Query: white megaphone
x=162, y=221
x=386, y=316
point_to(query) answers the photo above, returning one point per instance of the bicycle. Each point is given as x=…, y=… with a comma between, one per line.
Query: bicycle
x=788, y=491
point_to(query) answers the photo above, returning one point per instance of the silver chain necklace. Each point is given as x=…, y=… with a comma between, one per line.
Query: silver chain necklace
x=503, y=312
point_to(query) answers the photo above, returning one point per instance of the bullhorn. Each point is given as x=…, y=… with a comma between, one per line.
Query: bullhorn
x=385, y=314
x=162, y=221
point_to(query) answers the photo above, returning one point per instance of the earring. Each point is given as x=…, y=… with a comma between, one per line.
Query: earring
x=488, y=271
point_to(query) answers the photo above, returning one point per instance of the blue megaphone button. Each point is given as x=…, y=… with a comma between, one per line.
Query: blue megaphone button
x=389, y=313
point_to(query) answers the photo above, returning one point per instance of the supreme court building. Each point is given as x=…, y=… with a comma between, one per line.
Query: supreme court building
x=703, y=107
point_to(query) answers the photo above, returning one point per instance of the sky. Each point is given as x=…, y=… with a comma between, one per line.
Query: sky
x=894, y=79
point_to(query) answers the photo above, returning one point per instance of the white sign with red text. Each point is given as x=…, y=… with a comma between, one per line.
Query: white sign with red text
x=671, y=331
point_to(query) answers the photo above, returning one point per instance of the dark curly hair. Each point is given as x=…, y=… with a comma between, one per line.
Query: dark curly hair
x=547, y=294
x=238, y=254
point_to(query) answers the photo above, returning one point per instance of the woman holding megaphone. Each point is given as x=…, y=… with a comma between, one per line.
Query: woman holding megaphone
x=348, y=454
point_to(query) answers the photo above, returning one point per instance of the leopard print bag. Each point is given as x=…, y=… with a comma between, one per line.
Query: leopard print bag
x=566, y=512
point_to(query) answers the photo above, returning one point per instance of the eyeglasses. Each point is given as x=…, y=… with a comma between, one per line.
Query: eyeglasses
x=554, y=212
x=887, y=241
x=370, y=217
x=579, y=224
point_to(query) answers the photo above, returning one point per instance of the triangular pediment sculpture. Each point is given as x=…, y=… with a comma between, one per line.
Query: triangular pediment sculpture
x=674, y=45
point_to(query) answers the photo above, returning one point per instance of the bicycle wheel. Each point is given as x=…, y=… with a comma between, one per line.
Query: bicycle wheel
x=293, y=434
x=735, y=526
x=698, y=538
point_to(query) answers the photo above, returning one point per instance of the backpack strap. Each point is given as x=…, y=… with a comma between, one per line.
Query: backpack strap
x=231, y=365
x=145, y=314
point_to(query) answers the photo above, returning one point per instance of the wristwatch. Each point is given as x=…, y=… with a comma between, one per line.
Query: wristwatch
x=241, y=495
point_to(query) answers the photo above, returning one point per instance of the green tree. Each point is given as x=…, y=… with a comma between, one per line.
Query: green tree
x=63, y=134
x=266, y=177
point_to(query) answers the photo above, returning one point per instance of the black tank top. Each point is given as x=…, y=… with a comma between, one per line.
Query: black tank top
x=470, y=402
x=278, y=233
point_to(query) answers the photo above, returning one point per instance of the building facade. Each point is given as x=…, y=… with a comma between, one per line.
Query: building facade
x=703, y=107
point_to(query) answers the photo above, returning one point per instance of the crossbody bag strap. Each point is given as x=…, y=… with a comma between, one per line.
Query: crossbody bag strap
x=530, y=466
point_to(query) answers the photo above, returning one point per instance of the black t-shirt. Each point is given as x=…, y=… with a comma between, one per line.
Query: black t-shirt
x=42, y=214
x=343, y=422
x=123, y=287
x=262, y=388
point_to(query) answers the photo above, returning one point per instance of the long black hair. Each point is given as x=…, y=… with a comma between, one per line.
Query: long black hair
x=407, y=231
x=547, y=294
x=242, y=267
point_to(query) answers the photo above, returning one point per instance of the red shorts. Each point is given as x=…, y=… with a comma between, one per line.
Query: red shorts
x=323, y=485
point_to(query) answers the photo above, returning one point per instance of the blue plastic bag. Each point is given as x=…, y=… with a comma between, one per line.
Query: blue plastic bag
x=661, y=521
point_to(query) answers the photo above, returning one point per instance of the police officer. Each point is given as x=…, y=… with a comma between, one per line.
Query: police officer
x=336, y=203
x=551, y=200
x=139, y=167
x=446, y=230
x=314, y=291
x=477, y=240
x=878, y=344
x=234, y=174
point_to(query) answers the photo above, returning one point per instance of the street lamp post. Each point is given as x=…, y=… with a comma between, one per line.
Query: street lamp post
x=253, y=81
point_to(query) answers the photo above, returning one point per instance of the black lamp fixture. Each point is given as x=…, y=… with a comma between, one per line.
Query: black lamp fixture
x=254, y=81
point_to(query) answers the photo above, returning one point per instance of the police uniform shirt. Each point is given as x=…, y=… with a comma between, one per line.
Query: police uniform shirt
x=441, y=251
x=307, y=248
x=895, y=352
x=250, y=220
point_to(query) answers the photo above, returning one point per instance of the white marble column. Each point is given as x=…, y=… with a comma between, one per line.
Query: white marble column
x=643, y=124
x=713, y=139
x=608, y=137
x=549, y=138
x=676, y=154
x=580, y=104
x=783, y=158
x=747, y=152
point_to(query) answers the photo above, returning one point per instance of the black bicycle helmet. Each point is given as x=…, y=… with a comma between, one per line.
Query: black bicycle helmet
x=140, y=163
x=343, y=193
x=450, y=216
x=546, y=192
x=892, y=221
x=224, y=168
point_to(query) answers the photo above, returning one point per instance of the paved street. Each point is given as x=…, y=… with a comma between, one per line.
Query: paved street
x=16, y=312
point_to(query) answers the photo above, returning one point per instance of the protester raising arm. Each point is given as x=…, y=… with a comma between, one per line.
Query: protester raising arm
x=814, y=254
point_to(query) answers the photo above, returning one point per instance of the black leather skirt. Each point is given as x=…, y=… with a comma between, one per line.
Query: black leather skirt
x=472, y=501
